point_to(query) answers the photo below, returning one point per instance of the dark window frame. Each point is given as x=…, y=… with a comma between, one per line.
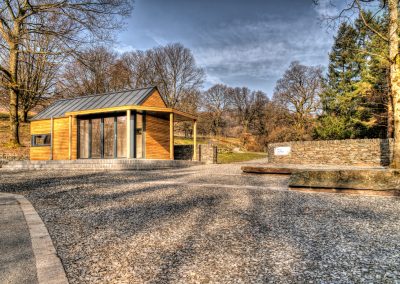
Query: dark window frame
x=102, y=116
x=34, y=142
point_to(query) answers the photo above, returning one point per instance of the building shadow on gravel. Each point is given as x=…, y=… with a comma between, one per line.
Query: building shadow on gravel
x=50, y=181
x=128, y=220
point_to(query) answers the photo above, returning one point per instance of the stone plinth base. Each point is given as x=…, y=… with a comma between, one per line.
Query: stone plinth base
x=99, y=164
x=267, y=170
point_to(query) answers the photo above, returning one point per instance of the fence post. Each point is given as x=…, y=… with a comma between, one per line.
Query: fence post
x=215, y=154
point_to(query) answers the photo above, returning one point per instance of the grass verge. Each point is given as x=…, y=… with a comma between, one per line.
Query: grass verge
x=227, y=158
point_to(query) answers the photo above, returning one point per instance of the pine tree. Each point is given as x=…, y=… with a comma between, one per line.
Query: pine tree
x=355, y=102
x=344, y=72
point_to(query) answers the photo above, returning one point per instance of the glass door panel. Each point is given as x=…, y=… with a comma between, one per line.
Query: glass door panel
x=83, y=139
x=103, y=140
x=121, y=137
x=96, y=138
x=109, y=137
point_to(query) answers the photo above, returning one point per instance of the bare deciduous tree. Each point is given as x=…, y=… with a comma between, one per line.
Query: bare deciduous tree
x=247, y=104
x=298, y=91
x=37, y=72
x=71, y=23
x=171, y=68
x=216, y=101
x=96, y=71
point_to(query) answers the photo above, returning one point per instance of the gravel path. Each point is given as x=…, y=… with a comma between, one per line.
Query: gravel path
x=210, y=224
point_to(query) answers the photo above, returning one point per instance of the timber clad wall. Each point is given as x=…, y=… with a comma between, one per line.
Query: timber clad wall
x=42, y=152
x=157, y=138
x=358, y=152
x=60, y=139
x=157, y=129
x=154, y=100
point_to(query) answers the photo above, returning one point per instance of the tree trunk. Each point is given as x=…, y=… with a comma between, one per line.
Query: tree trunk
x=24, y=117
x=390, y=129
x=14, y=119
x=395, y=77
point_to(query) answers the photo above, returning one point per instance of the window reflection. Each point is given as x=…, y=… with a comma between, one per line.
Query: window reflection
x=96, y=139
x=121, y=137
x=139, y=135
x=107, y=138
x=84, y=139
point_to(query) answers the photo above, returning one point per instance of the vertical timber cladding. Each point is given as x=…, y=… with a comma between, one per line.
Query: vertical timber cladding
x=157, y=131
x=157, y=138
x=60, y=139
x=41, y=152
x=154, y=100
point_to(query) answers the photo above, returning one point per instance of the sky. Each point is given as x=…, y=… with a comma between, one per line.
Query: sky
x=239, y=43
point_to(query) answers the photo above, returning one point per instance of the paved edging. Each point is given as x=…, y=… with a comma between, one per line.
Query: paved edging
x=49, y=268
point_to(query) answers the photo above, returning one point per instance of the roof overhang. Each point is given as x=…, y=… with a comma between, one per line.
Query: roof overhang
x=178, y=115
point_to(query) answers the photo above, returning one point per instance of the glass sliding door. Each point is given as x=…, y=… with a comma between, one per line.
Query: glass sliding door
x=121, y=137
x=109, y=137
x=106, y=137
x=84, y=139
x=96, y=139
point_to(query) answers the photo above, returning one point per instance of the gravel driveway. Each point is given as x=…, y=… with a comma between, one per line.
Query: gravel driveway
x=210, y=224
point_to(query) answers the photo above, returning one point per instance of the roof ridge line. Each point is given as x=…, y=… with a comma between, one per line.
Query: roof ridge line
x=78, y=102
x=102, y=94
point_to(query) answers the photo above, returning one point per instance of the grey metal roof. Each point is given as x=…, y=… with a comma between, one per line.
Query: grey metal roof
x=124, y=98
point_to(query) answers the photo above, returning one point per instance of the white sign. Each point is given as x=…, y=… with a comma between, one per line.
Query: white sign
x=281, y=151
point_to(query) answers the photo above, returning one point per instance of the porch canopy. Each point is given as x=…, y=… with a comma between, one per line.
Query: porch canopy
x=131, y=101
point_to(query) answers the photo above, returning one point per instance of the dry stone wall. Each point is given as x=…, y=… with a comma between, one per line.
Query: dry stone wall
x=205, y=153
x=358, y=152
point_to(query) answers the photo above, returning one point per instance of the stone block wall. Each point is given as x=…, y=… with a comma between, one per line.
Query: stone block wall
x=358, y=152
x=205, y=153
x=183, y=152
x=208, y=154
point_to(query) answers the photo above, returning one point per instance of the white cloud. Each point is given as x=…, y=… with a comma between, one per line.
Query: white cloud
x=326, y=8
x=261, y=51
x=121, y=48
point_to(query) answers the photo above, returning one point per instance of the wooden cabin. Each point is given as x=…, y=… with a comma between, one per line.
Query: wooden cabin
x=133, y=124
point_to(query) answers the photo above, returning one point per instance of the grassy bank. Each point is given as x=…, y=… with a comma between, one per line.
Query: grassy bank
x=221, y=142
x=229, y=143
x=227, y=158
x=5, y=148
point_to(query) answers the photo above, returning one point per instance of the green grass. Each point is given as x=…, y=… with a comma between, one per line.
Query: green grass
x=221, y=142
x=189, y=141
x=227, y=158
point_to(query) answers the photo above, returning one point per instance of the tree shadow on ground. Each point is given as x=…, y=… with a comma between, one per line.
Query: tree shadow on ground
x=28, y=182
x=327, y=233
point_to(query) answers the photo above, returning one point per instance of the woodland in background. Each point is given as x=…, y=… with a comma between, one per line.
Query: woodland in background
x=348, y=100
